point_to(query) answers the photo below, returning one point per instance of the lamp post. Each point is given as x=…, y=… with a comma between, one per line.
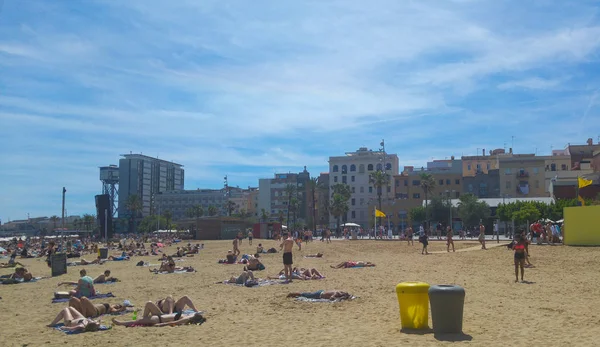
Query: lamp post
x=448, y=193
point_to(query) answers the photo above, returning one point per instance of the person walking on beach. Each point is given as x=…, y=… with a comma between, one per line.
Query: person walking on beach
x=423, y=239
x=236, y=249
x=287, y=245
x=409, y=236
x=449, y=234
x=250, y=236
x=520, y=249
x=482, y=235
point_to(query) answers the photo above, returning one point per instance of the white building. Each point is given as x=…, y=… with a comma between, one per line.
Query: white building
x=354, y=169
x=273, y=199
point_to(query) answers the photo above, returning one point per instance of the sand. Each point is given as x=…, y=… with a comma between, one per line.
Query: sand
x=559, y=307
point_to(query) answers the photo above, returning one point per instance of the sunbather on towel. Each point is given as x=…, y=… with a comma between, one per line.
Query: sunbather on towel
x=348, y=264
x=85, y=287
x=90, y=310
x=75, y=321
x=20, y=273
x=244, y=277
x=160, y=320
x=318, y=255
x=87, y=262
x=321, y=294
x=103, y=278
x=300, y=274
x=168, y=305
x=254, y=263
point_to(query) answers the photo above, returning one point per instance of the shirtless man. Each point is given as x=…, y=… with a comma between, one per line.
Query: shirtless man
x=449, y=241
x=321, y=294
x=482, y=235
x=287, y=245
x=236, y=250
x=409, y=236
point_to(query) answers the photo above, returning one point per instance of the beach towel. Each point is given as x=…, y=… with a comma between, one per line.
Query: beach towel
x=258, y=283
x=19, y=281
x=176, y=272
x=323, y=300
x=185, y=314
x=61, y=327
x=97, y=296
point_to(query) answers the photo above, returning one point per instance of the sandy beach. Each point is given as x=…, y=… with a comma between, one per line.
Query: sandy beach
x=558, y=307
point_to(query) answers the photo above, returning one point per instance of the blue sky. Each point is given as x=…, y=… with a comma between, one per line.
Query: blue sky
x=249, y=88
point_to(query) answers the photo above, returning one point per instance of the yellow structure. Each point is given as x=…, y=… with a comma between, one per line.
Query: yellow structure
x=413, y=299
x=582, y=226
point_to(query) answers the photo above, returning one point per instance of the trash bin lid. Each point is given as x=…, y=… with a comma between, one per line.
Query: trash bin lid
x=447, y=289
x=412, y=287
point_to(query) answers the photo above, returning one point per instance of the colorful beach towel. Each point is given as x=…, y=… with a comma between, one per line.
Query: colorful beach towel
x=258, y=283
x=97, y=296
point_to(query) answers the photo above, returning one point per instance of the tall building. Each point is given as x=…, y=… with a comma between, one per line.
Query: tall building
x=323, y=198
x=481, y=164
x=483, y=185
x=273, y=198
x=146, y=177
x=179, y=201
x=355, y=169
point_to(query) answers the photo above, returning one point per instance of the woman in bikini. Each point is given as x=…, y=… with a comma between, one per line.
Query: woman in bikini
x=349, y=264
x=449, y=241
x=168, y=305
x=90, y=310
x=482, y=236
x=74, y=321
x=153, y=316
x=520, y=256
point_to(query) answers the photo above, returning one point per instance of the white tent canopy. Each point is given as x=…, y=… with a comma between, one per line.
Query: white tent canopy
x=351, y=225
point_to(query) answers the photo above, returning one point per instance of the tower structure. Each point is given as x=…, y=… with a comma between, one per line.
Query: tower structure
x=109, y=176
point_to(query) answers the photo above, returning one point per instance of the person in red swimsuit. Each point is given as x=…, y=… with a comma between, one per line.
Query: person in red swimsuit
x=520, y=256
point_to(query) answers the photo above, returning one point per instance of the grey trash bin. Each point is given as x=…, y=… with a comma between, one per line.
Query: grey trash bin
x=447, y=302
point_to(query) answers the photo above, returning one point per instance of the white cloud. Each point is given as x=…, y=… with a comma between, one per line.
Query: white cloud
x=530, y=83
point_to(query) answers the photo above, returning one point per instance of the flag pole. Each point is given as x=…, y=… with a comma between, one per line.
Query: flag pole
x=375, y=218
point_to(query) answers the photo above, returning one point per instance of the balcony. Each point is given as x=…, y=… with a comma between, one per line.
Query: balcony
x=522, y=174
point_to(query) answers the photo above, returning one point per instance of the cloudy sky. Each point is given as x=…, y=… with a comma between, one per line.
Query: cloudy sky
x=248, y=88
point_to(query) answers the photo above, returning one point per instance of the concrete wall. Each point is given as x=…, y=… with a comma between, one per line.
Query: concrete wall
x=582, y=226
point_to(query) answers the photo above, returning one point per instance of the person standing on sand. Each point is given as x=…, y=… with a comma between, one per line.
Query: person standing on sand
x=482, y=235
x=287, y=245
x=236, y=250
x=250, y=237
x=449, y=234
x=520, y=257
x=423, y=239
x=409, y=236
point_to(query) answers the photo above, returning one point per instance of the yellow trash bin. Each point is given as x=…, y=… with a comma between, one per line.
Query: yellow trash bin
x=413, y=299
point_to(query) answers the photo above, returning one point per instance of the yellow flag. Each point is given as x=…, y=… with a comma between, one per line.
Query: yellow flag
x=379, y=213
x=583, y=182
x=581, y=199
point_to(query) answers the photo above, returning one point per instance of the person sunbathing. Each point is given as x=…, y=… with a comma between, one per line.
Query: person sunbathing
x=300, y=274
x=85, y=287
x=161, y=320
x=260, y=249
x=172, y=270
x=318, y=255
x=349, y=264
x=321, y=294
x=168, y=305
x=74, y=321
x=11, y=262
x=20, y=275
x=123, y=256
x=90, y=310
x=244, y=277
x=254, y=263
x=87, y=262
x=166, y=266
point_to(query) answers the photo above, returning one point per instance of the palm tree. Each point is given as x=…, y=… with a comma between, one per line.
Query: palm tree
x=231, y=206
x=169, y=217
x=264, y=216
x=427, y=184
x=76, y=224
x=195, y=211
x=313, y=184
x=54, y=220
x=212, y=210
x=290, y=191
x=379, y=179
x=294, y=207
x=339, y=201
x=280, y=217
x=134, y=206
x=88, y=221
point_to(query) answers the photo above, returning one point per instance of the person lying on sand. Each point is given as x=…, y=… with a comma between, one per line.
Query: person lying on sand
x=20, y=273
x=348, y=264
x=172, y=270
x=85, y=287
x=168, y=305
x=87, y=262
x=74, y=321
x=321, y=294
x=161, y=320
x=318, y=255
x=103, y=278
x=123, y=256
x=11, y=262
x=244, y=277
x=91, y=310
x=300, y=274
x=254, y=263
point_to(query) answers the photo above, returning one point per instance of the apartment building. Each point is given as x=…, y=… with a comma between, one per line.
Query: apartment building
x=354, y=169
x=481, y=164
x=146, y=177
x=272, y=195
x=179, y=201
x=323, y=199
x=522, y=175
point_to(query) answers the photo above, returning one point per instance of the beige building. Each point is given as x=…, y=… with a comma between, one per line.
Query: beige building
x=522, y=175
x=481, y=164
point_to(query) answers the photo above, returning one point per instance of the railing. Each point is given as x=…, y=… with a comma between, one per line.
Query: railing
x=522, y=174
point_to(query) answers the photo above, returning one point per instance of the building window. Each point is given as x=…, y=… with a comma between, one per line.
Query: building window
x=335, y=168
x=370, y=189
x=470, y=188
x=389, y=189
x=478, y=167
x=416, y=183
x=353, y=190
x=344, y=169
x=482, y=189
x=361, y=168
x=362, y=201
x=416, y=196
x=353, y=214
x=362, y=189
x=537, y=184
x=447, y=182
x=397, y=183
x=507, y=171
x=536, y=170
x=344, y=179
x=507, y=184
x=388, y=166
x=370, y=167
x=352, y=178
x=457, y=181
x=352, y=168
x=334, y=178
x=469, y=167
x=552, y=167
x=353, y=201
x=441, y=182
x=563, y=167
x=379, y=167
x=406, y=183
x=488, y=166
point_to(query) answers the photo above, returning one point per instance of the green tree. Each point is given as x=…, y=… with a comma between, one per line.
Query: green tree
x=54, y=220
x=264, y=215
x=196, y=212
x=471, y=210
x=76, y=224
x=313, y=186
x=134, y=206
x=339, y=201
x=439, y=209
x=231, y=206
x=168, y=217
x=89, y=221
x=212, y=210
x=280, y=217
x=417, y=214
x=290, y=192
x=379, y=180
x=427, y=184
x=526, y=214
x=150, y=223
